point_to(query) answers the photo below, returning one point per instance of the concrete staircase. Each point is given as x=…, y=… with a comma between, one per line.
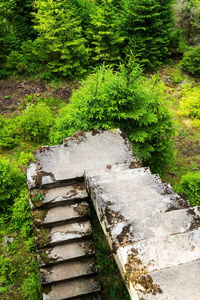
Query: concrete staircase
x=65, y=250
x=153, y=233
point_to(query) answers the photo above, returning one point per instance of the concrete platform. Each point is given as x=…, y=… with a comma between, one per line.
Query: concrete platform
x=57, y=163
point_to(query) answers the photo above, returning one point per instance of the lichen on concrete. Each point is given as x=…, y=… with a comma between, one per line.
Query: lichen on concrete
x=136, y=274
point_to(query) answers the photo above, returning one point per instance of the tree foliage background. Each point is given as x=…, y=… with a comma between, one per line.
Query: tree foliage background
x=67, y=37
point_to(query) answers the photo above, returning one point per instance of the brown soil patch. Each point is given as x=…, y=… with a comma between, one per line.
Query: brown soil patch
x=12, y=92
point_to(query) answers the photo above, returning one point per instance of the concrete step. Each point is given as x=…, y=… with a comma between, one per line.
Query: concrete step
x=177, y=283
x=62, y=234
x=61, y=214
x=159, y=225
x=114, y=214
x=109, y=169
x=58, y=163
x=58, y=195
x=73, y=288
x=66, y=252
x=115, y=174
x=144, y=193
x=94, y=296
x=123, y=181
x=68, y=270
x=161, y=252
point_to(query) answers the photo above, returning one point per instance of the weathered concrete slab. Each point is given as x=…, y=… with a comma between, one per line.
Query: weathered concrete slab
x=62, y=253
x=75, y=288
x=77, y=154
x=130, y=211
x=178, y=283
x=154, y=192
x=160, y=253
x=116, y=175
x=62, y=234
x=58, y=195
x=61, y=214
x=123, y=182
x=109, y=169
x=68, y=271
x=170, y=223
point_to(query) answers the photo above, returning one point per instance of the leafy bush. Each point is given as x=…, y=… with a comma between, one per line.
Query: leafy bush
x=124, y=99
x=8, y=133
x=190, y=104
x=11, y=181
x=23, y=60
x=190, y=184
x=35, y=122
x=191, y=61
x=7, y=270
x=25, y=158
x=148, y=30
x=61, y=44
x=31, y=287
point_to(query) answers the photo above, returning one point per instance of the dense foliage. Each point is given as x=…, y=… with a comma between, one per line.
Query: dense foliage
x=11, y=181
x=65, y=37
x=190, y=104
x=123, y=99
x=191, y=62
x=190, y=184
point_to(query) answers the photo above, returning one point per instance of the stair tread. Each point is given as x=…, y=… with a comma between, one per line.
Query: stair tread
x=177, y=283
x=68, y=270
x=118, y=167
x=63, y=194
x=65, y=252
x=116, y=182
x=115, y=174
x=158, y=225
x=132, y=193
x=74, y=288
x=60, y=214
x=161, y=252
x=61, y=234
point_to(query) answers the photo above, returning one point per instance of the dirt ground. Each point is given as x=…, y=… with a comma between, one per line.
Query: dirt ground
x=12, y=92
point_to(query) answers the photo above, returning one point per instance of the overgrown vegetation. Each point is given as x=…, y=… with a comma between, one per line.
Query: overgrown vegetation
x=123, y=99
x=65, y=37
x=106, y=44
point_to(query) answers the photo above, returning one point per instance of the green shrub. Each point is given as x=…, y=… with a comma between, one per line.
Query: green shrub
x=190, y=185
x=36, y=121
x=25, y=158
x=8, y=133
x=191, y=61
x=7, y=270
x=124, y=99
x=190, y=104
x=23, y=60
x=11, y=181
x=31, y=288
